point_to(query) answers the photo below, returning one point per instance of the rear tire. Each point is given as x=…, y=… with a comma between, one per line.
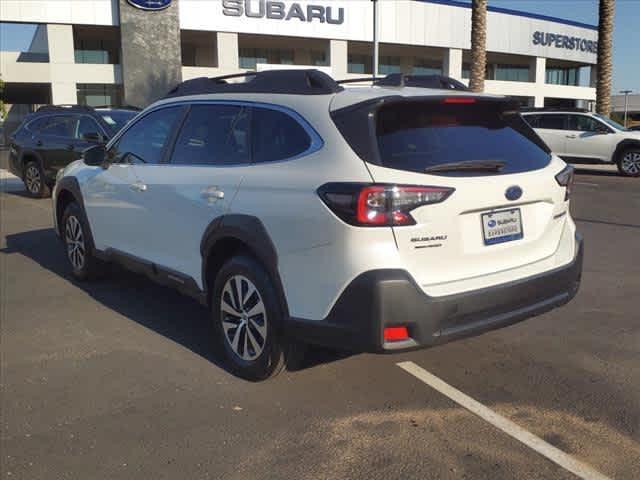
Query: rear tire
x=34, y=180
x=629, y=162
x=247, y=316
x=79, y=247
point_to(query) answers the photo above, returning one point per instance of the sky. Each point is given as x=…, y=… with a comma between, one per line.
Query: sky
x=626, y=41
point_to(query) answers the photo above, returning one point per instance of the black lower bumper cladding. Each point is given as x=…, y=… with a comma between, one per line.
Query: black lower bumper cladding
x=383, y=298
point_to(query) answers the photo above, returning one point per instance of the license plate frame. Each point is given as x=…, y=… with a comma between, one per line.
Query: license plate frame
x=510, y=235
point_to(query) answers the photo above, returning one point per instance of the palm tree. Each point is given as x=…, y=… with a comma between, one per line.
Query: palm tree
x=605, y=35
x=478, y=45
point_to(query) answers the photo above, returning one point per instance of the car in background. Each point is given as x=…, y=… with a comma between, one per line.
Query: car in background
x=579, y=136
x=56, y=135
x=635, y=128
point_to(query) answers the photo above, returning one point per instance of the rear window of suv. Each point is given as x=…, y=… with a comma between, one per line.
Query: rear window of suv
x=415, y=136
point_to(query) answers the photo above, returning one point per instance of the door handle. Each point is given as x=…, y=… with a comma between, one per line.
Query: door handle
x=212, y=194
x=138, y=187
x=571, y=136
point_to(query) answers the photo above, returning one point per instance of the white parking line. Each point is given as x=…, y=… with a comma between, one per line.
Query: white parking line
x=587, y=184
x=507, y=426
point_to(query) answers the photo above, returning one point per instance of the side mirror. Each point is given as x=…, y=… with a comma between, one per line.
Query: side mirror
x=95, y=156
x=92, y=137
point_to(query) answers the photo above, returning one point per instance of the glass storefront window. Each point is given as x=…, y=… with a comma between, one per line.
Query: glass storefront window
x=563, y=76
x=360, y=63
x=508, y=73
x=250, y=57
x=388, y=64
x=96, y=95
x=29, y=40
x=423, y=66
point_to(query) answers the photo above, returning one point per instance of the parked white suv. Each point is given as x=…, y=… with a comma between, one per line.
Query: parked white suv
x=376, y=219
x=582, y=137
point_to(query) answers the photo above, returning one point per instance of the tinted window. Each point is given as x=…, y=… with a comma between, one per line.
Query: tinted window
x=414, y=136
x=213, y=135
x=146, y=139
x=277, y=136
x=553, y=122
x=584, y=123
x=87, y=125
x=60, y=126
x=37, y=125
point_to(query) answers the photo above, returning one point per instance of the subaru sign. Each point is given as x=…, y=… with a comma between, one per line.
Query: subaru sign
x=274, y=10
x=513, y=193
x=150, y=4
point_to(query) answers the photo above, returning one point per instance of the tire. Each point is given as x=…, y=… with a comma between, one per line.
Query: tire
x=629, y=162
x=34, y=180
x=259, y=355
x=78, y=245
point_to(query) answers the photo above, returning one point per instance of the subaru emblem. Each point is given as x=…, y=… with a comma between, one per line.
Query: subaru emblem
x=513, y=193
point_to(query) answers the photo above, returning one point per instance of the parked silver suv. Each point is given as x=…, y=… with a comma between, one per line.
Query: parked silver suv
x=580, y=136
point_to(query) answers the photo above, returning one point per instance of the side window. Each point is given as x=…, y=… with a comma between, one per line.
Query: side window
x=276, y=136
x=37, y=125
x=213, y=135
x=532, y=120
x=60, y=126
x=553, y=122
x=87, y=125
x=146, y=139
x=583, y=123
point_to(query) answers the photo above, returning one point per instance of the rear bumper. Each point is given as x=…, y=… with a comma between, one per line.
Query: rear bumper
x=384, y=298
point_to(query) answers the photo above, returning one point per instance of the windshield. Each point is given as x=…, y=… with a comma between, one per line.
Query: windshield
x=116, y=119
x=418, y=136
x=611, y=123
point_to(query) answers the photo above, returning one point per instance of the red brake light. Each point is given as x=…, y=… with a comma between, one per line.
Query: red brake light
x=395, y=334
x=379, y=205
x=459, y=100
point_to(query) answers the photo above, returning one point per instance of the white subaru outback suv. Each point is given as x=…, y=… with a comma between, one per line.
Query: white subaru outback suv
x=579, y=136
x=374, y=219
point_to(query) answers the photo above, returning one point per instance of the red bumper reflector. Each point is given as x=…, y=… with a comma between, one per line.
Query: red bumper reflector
x=459, y=100
x=395, y=334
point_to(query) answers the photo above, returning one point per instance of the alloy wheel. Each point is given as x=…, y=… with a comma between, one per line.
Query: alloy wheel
x=74, y=239
x=631, y=163
x=244, y=317
x=33, y=180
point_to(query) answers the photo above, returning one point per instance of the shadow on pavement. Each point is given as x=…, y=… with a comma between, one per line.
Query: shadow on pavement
x=158, y=308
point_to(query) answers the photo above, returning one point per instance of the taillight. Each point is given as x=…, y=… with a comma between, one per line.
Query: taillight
x=565, y=179
x=459, y=100
x=379, y=204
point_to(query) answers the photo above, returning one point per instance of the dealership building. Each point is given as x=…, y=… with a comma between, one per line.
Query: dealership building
x=112, y=52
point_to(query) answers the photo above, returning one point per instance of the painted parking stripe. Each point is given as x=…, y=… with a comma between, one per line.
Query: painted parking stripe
x=587, y=184
x=507, y=426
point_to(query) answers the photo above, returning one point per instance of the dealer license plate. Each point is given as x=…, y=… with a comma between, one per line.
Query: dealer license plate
x=502, y=226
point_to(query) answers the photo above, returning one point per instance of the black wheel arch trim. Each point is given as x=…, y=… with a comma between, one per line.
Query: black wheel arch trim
x=250, y=231
x=25, y=155
x=623, y=146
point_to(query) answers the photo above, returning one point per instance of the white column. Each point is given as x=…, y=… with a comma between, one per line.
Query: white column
x=61, y=59
x=538, y=75
x=452, y=63
x=338, y=54
x=228, y=53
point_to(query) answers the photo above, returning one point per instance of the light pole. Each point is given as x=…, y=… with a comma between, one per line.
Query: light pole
x=626, y=104
x=376, y=46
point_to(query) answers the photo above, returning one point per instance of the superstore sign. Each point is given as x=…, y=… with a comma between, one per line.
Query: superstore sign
x=564, y=41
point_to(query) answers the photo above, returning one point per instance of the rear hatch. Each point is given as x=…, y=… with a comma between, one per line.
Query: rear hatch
x=505, y=208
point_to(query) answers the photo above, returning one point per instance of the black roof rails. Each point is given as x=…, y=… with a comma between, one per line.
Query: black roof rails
x=65, y=107
x=120, y=107
x=359, y=80
x=555, y=109
x=295, y=82
x=421, y=81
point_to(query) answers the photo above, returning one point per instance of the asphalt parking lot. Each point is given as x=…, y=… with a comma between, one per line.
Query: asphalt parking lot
x=118, y=379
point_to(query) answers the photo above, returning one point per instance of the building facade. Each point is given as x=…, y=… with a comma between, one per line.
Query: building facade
x=111, y=52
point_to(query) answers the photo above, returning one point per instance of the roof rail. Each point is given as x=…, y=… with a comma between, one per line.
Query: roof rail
x=119, y=107
x=555, y=109
x=359, y=80
x=295, y=82
x=64, y=106
x=421, y=81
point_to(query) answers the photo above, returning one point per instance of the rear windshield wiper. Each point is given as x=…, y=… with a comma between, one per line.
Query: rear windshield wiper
x=467, y=166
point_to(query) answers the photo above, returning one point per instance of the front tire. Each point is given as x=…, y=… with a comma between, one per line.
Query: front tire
x=247, y=315
x=77, y=240
x=34, y=180
x=629, y=163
